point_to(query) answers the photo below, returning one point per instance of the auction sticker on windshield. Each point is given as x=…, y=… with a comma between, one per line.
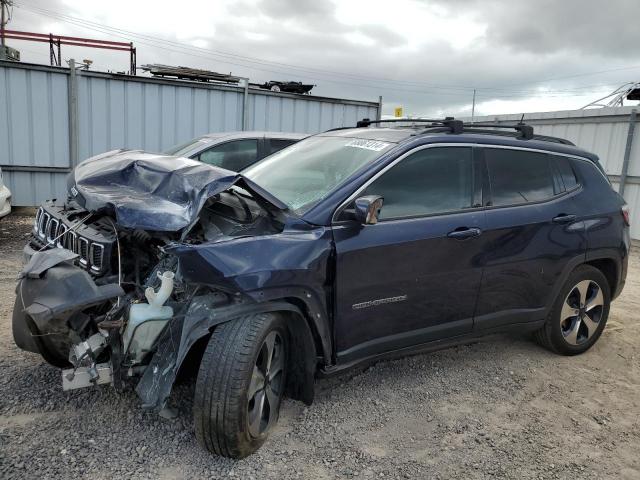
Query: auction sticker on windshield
x=367, y=144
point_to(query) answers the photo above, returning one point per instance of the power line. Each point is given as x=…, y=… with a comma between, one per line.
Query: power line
x=618, y=69
x=274, y=67
x=214, y=53
x=253, y=61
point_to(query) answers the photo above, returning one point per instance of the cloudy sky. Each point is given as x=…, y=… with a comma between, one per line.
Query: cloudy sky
x=425, y=55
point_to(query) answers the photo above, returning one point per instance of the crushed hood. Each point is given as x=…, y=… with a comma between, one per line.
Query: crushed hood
x=150, y=191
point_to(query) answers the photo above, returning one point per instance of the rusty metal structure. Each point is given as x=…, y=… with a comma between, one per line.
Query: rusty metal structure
x=56, y=41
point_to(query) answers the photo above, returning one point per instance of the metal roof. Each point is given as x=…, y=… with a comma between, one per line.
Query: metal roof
x=394, y=135
x=253, y=134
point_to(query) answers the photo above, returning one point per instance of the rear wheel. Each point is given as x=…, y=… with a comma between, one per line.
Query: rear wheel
x=240, y=384
x=579, y=314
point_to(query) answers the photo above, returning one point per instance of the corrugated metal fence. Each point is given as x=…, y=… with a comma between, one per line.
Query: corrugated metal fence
x=51, y=118
x=607, y=132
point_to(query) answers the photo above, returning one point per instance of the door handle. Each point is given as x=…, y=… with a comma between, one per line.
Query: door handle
x=564, y=218
x=462, y=232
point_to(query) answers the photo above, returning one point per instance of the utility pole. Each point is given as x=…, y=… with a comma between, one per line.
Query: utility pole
x=4, y=18
x=473, y=105
x=3, y=21
x=6, y=53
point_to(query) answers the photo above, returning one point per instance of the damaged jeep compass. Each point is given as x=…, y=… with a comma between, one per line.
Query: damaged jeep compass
x=350, y=246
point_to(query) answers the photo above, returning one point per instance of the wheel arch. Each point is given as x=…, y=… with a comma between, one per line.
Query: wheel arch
x=305, y=349
x=610, y=269
x=160, y=375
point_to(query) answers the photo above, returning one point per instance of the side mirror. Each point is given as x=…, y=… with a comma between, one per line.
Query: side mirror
x=368, y=208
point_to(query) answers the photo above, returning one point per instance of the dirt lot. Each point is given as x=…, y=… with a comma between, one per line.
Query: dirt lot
x=501, y=408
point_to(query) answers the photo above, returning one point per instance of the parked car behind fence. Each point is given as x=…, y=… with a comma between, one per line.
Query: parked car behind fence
x=234, y=151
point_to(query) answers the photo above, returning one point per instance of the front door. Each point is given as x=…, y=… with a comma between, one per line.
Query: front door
x=414, y=276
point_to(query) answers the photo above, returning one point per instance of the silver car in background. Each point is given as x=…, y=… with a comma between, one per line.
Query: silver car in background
x=234, y=151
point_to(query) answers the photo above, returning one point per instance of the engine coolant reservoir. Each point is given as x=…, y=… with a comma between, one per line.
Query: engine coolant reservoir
x=147, y=320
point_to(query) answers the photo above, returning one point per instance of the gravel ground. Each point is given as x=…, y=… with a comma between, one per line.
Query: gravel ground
x=500, y=408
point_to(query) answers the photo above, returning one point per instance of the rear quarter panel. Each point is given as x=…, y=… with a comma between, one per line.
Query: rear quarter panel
x=599, y=206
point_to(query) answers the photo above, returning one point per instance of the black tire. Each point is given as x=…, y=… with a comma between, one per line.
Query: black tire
x=584, y=321
x=229, y=410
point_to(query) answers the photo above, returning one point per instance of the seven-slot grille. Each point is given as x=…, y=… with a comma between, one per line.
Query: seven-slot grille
x=53, y=232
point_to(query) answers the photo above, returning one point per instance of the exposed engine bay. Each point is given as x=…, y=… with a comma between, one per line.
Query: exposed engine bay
x=110, y=302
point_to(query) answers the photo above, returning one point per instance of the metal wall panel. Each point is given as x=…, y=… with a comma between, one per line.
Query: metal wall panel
x=124, y=113
x=29, y=189
x=308, y=114
x=34, y=131
x=118, y=111
x=33, y=112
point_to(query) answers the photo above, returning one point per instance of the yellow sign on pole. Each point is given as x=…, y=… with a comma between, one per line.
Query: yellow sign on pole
x=397, y=112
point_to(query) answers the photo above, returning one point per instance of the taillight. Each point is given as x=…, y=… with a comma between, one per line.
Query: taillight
x=626, y=214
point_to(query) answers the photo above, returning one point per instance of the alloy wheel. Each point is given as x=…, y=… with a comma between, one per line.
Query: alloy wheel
x=581, y=312
x=266, y=385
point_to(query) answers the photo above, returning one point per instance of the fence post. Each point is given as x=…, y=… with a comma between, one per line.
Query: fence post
x=245, y=105
x=627, y=151
x=379, y=116
x=73, y=114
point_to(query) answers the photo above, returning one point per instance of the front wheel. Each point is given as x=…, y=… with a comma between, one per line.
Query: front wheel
x=240, y=384
x=579, y=314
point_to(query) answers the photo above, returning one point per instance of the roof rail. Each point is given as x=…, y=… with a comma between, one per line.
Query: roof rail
x=543, y=138
x=525, y=132
x=454, y=125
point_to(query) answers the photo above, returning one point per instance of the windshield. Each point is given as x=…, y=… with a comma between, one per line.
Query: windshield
x=182, y=148
x=304, y=173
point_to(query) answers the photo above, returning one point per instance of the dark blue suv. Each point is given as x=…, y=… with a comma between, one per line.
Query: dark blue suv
x=349, y=246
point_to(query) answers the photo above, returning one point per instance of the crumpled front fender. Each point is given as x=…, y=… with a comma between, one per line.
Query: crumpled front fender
x=294, y=264
x=185, y=330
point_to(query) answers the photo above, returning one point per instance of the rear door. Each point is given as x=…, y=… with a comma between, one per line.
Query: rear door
x=531, y=233
x=414, y=276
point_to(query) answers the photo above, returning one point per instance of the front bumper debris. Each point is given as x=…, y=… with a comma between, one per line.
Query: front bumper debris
x=50, y=298
x=82, y=377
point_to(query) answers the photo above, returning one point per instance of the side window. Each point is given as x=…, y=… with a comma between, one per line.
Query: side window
x=518, y=176
x=433, y=180
x=566, y=173
x=277, y=144
x=235, y=155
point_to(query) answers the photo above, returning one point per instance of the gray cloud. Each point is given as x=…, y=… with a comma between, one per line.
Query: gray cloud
x=297, y=9
x=590, y=27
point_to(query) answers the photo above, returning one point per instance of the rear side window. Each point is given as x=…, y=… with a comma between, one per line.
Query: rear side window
x=430, y=181
x=277, y=144
x=518, y=176
x=235, y=155
x=566, y=173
